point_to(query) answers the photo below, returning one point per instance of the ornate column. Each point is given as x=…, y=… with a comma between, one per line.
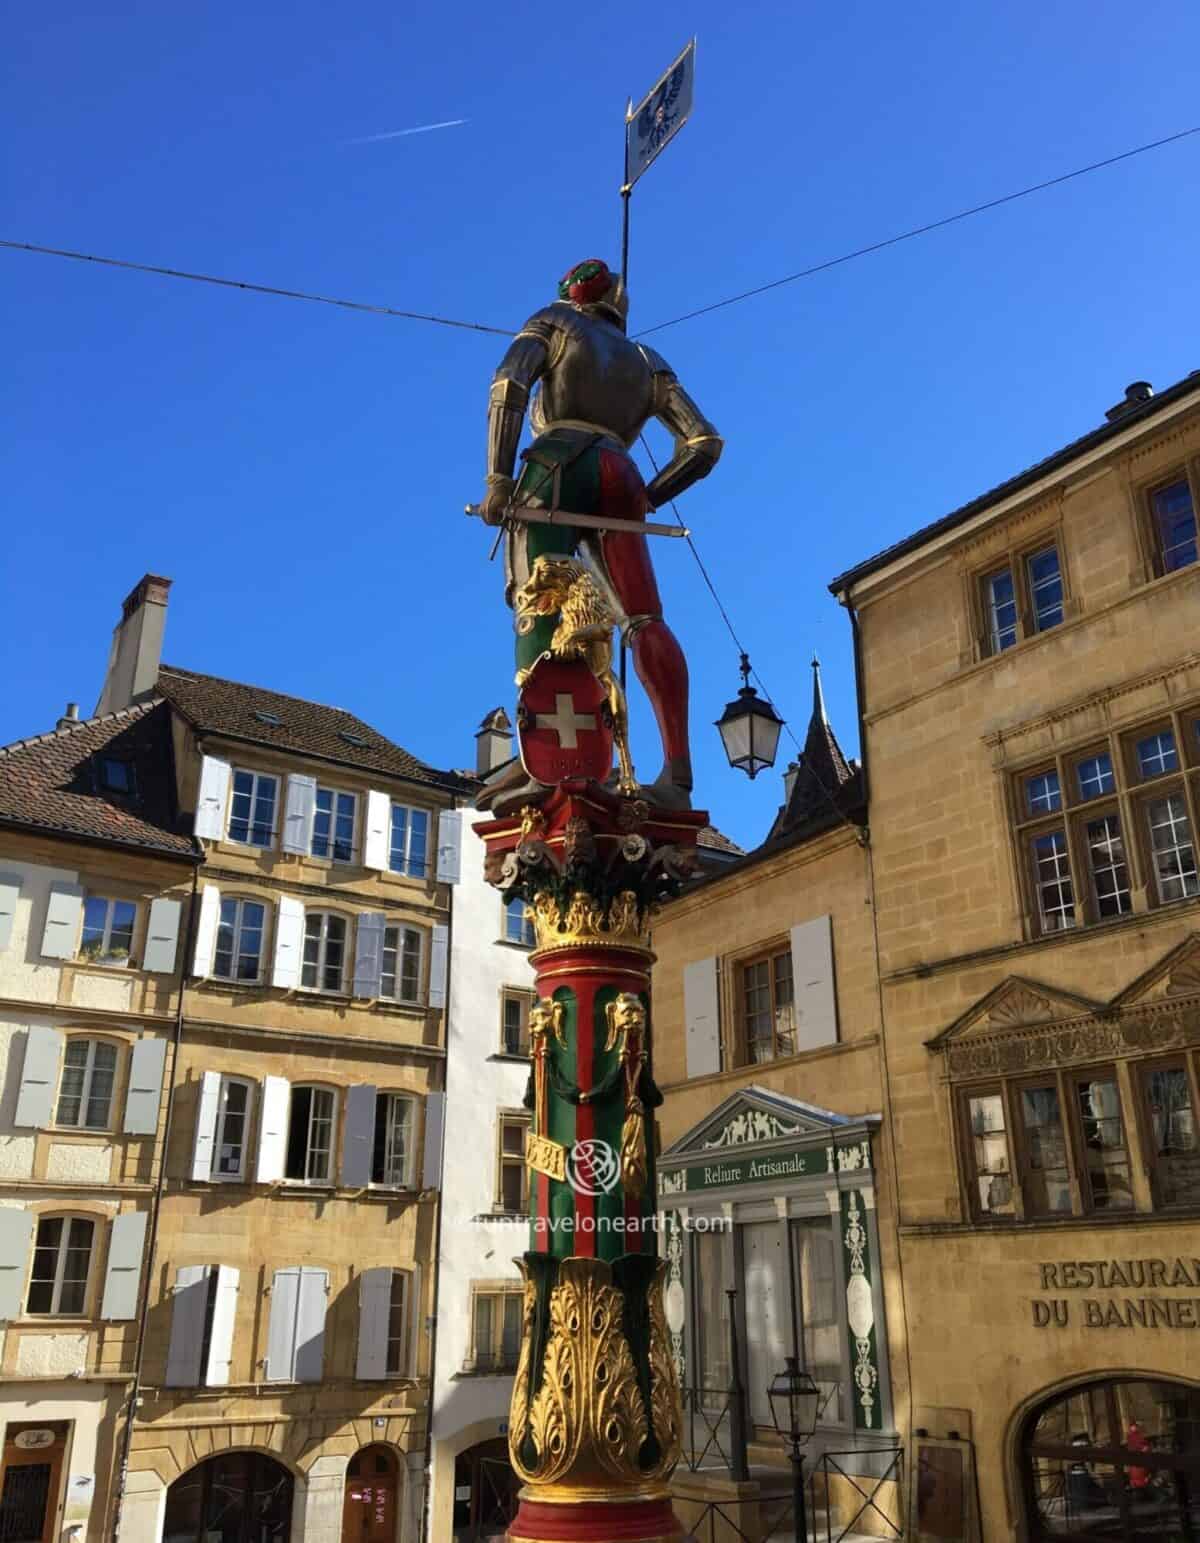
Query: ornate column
x=595, y=1425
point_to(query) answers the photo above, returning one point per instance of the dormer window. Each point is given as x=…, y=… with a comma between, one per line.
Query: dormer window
x=117, y=776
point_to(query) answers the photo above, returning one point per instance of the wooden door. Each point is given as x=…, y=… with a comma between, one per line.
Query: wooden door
x=372, y=1494
x=29, y=1490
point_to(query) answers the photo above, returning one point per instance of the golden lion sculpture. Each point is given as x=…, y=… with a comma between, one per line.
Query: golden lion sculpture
x=563, y=586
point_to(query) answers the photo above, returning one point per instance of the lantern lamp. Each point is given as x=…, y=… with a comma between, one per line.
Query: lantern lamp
x=749, y=728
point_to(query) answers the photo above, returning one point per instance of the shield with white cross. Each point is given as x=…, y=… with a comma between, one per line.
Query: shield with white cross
x=563, y=724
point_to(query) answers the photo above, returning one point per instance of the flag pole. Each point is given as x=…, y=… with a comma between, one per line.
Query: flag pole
x=626, y=195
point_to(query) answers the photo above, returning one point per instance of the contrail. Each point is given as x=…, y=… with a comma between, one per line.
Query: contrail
x=422, y=128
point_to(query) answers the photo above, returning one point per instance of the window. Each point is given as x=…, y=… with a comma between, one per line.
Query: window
x=1045, y=1172
x=1174, y=1150
x=1022, y=598
x=400, y=978
x=107, y=929
x=333, y=825
x=232, y=1135
x=392, y=1158
x=1095, y=776
x=1156, y=755
x=1106, y=864
x=252, y=808
x=1105, y=1166
x=991, y=1170
x=518, y=924
x=1052, y=881
x=496, y=1330
x=310, y=1136
x=1174, y=522
x=1042, y=793
x=410, y=841
x=513, y=1195
x=324, y=951
x=768, y=1014
x=514, y=1021
x=238, y=953
x=397, y=1337
x=117, y=776
x=1173, y=853
x=62, y=1258
x=814, y=1270
x=86, y=1089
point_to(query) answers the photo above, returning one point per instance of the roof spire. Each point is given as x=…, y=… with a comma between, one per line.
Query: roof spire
x=818, y=712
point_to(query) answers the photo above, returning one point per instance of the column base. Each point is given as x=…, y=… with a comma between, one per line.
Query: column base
x=596, y=1521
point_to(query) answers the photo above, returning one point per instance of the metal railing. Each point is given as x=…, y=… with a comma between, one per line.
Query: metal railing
x=892, y=1461
x=720, y=1522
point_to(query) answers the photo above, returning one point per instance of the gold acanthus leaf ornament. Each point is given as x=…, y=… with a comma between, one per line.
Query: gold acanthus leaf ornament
x=585, y=920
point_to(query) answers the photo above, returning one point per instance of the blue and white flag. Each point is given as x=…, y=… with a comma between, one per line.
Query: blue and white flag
x=656, y=120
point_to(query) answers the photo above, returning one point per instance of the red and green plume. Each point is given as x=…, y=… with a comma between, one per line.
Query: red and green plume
x=586, y=283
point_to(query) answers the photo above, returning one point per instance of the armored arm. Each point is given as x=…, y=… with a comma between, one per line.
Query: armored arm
x=519, y=370
x=698, y=446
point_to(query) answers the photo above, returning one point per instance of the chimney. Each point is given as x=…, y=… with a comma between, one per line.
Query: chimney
x=136, y=649
x=70, y=717
x=789, y=780
x=493, y=742
x=1136, y=393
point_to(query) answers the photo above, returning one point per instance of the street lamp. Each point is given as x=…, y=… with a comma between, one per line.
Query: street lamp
x=795, y=1400
x=749, y=728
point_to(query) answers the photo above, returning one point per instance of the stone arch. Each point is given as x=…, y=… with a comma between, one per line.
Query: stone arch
x=240, y=1486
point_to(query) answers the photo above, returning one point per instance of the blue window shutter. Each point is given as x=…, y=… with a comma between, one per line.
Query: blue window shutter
x=39, y=1077
x=125, y=1240
x=431, y=1156
x=144, y=1098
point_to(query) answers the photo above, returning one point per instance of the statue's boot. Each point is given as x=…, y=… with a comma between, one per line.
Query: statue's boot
x=672, y=788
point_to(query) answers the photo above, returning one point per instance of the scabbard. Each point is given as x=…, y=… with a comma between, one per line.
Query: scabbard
x=525, y=514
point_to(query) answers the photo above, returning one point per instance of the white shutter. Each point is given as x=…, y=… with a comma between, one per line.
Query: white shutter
x=377, y=833
x=220, y=1339
x=358, y=1135
x=298, y=813
x=812, y=984
x=701, y=1016
x=289, y=943
x=39, y=1076
x=125, y=1239
x=206, y=931
x=16, y=1235
x=449, y=861
x=413, y=1286
x=272, y=1129
x=207, y=1108
x=145, y=1087
x=281, y=1329
x=296, y=1332
x=162, y=936
x=189, y=1307
x=431, y=1156
x=60, y=939
x=368, y=953
x=374, y=1312
x=439, y=949
x=310, y=1325
x=212, y=798
x=10, y=892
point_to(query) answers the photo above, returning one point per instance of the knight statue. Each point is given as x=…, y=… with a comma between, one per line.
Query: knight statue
x=595, y=391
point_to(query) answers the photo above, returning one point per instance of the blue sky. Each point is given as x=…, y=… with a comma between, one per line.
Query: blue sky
x=300, y=472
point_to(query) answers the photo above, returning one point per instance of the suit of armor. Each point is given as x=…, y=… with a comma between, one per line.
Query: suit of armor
x=595, y=392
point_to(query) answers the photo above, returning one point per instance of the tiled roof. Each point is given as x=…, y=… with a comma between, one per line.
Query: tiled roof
x=53, y=782
x=289, y=723
x=1124, y=419
x=717, y=841
x=825, y=785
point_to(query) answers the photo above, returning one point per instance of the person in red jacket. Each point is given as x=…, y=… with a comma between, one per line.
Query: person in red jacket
x=1135, y=1441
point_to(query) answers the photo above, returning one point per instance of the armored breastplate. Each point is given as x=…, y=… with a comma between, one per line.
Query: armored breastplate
x=598, y=376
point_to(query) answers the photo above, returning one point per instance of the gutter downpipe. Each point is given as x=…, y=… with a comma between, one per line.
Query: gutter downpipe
x=155, y=1207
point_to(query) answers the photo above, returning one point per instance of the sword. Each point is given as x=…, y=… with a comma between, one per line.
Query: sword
x=526, y=514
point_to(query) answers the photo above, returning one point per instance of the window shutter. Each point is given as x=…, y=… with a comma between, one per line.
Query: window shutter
x=145, y=1087
x=374, y=1311
x=63, y=910
x=39, y=1076
x=431, y=1156
x=125, y=1240
x=310, y=1325
x=162, y=936
x=812, y=984
x=16, y=1235
x=272, y=1129
x=220, y=1338
x=377, y=833
x=189, y=1306
x=701, y=1014
x=413, y=1286
x=449, y=863
x=281, y=1329
x=206, y=931
x=10, y=892
x=289, y=943
x=207, y=1108
x=368, y=953
x=298, y=813
x=212, y=798
x=358, y=1138
x=439, y=949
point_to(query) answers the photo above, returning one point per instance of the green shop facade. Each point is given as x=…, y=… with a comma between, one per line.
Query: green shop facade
x=774, y=1199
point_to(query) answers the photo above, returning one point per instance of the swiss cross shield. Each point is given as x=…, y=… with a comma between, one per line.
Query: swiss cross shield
x=563, y=724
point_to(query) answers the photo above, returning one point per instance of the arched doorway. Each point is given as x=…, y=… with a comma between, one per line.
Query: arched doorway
x=1117, y=1459
x=485, y=1493
x=372, y=1496
x=238, y=1497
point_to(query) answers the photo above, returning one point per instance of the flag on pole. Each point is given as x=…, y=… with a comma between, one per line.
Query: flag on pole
x=656, y=120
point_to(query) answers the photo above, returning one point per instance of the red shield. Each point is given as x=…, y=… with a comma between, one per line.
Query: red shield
x=562, y=723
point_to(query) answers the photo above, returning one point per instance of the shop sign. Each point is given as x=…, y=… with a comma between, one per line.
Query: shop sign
x=1120, y=1294
x=767, y=1167
x=29, y=1440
